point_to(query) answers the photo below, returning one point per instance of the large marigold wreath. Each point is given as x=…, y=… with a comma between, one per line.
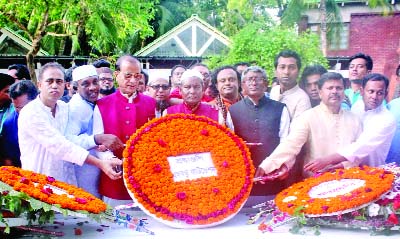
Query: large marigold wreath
x=198, y=202
x=51, y=191
x=335, y=193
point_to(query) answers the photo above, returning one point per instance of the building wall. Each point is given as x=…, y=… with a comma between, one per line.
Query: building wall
x=369, y=32
x=379, y=37
x=347, y=9
x=374, y=35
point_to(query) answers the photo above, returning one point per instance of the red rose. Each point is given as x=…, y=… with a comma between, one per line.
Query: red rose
x=393, y=219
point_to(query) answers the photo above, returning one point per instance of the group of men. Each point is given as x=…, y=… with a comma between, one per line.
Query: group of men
x=296, y=129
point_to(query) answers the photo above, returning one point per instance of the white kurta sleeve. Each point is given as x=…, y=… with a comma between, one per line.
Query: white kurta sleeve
x=35, y=129
x=289, y=147
x=98, y=127
x=285, y=123
x=75, y=127
x=369, y=141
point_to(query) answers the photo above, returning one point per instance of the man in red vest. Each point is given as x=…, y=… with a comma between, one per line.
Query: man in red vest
x=120, y=114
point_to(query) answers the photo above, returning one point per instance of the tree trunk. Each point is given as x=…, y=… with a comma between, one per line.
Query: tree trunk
x=31, y=66
x=323, y=33
x=84, y=48
x=30, y=56
x=32, y=53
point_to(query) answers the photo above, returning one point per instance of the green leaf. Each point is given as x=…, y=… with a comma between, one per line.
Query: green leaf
x=46, y=207
x=35, y=204
x=361, y=218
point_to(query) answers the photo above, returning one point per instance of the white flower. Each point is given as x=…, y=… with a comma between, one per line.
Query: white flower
x=373, y=210
x=391, y=195
x=289, y=198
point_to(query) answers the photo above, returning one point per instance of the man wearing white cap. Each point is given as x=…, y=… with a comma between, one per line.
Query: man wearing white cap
x=80, y=126
x=41, y=131
x=192, y=90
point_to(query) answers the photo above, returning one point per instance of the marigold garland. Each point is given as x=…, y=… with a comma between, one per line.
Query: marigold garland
x=201, y=201
x=36, y=185
x=377, y=182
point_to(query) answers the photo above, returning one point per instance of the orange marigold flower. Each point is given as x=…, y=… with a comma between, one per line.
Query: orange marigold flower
x=199, y=201
x=39, y=186
x=374, y=183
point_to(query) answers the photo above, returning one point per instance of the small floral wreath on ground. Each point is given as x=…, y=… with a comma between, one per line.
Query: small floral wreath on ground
x=370, y=184
x=43, y=188
x=202, y=201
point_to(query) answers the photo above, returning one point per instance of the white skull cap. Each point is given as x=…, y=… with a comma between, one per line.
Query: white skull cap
x=84, y=71
x=191, y=73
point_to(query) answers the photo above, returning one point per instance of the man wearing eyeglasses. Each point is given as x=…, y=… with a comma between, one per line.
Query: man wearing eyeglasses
x=159, y=89
x=120, y=114
x=262, y=123
x=106, y=81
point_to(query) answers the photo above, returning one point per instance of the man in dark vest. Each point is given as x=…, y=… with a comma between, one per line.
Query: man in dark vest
x=261, y=122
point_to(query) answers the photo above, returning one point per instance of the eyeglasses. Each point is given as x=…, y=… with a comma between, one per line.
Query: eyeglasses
x=106, y=79
x=128, y=75
x=254, y=79
x=157, y=87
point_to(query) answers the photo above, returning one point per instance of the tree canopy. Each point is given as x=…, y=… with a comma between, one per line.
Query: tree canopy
x=89, y=24
x=259, y=44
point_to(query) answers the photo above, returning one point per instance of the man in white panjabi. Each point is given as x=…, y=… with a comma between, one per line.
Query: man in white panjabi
x=41, y=130
x=323, y=130
x=372, y=147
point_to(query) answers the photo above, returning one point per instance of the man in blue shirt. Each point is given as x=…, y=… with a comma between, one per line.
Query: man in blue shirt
x=80, y=126
x=5, y=101
x=21, y=93
x=394, y=108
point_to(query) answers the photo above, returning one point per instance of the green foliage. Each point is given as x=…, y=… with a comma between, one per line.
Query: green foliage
x=168, y=14
x=21, y=205
x=387, y=8
x=300, y=223
x=111, y=23
x=259, y=45
x=107, y=23
x=238, y=13
x=228, y=16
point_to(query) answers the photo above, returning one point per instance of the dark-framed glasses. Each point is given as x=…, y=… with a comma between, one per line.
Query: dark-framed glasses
x=129, y=75
x=106, y=79
x=157, y=87
x=249, y=80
